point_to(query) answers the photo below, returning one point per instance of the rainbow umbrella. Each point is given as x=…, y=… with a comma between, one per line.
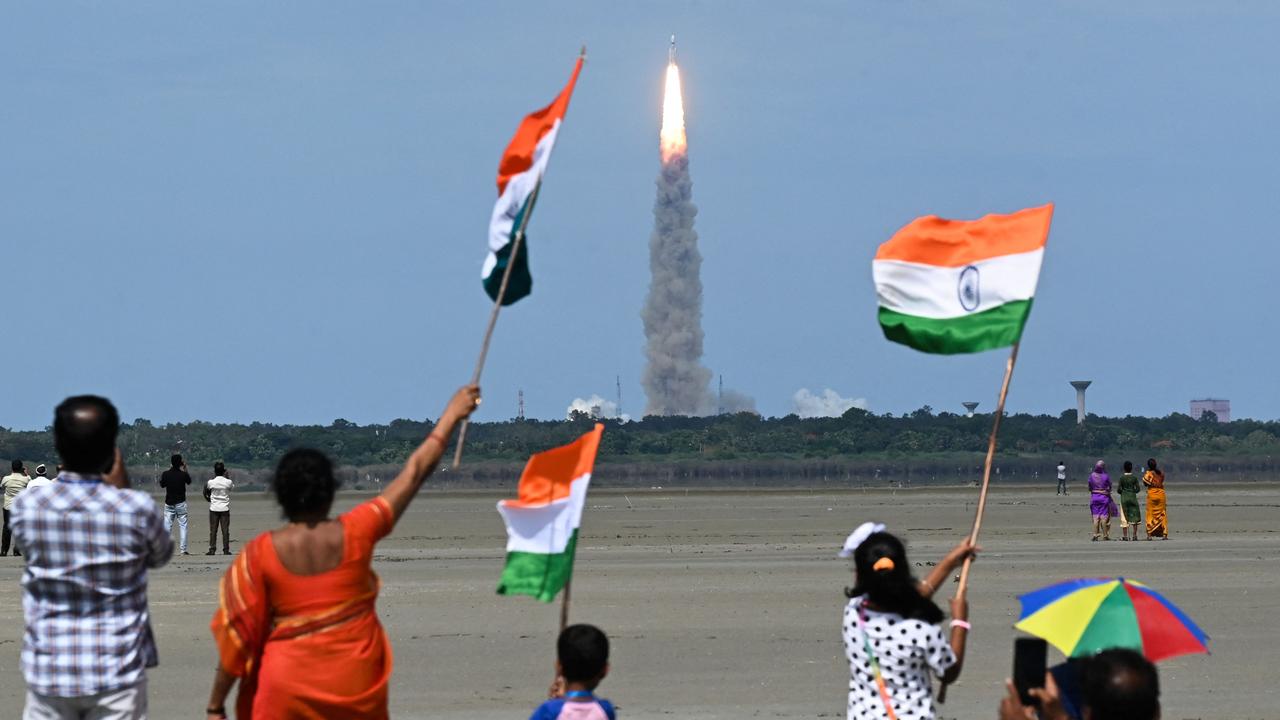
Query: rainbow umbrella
x=1082, y=617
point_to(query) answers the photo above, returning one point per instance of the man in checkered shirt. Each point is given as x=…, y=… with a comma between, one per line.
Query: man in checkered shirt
x=89, y=541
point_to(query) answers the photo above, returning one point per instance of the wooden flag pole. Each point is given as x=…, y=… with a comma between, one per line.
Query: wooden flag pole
x=986, y=471
x=493, y=316
x=564, y=604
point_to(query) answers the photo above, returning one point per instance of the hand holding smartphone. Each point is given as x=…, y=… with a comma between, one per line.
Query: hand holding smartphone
x=1029, y=655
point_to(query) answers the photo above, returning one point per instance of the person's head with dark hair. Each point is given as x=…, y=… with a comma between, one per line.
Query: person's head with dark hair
x=884, y=577
x=1120, y=684
x=1128, y=466
x=220, y=469
x=582, y=656
x=304, y=485
x=84, y=433
x=1151, y=465
x=16, y=466
x=175, y=461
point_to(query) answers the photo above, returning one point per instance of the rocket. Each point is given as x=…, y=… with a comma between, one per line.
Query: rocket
x=671, y=52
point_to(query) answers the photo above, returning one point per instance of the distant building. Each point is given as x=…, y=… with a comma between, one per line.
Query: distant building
x=1220, y=408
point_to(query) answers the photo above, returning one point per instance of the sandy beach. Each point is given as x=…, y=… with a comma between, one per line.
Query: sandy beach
x=727, y=604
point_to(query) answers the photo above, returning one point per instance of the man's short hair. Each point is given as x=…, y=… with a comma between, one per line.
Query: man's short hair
x=1120, y=684
x=583, y=651
x=16, y=465
x=175, y=460
x=84, y=432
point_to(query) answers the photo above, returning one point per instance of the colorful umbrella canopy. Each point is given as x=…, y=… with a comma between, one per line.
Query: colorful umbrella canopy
x=1082, y=617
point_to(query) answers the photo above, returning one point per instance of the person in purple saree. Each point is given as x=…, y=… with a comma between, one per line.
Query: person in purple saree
x=1101, y=504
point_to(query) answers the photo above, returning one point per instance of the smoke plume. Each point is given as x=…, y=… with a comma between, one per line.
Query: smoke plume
x=732, y=401
x=675, y=381
x=597, y=408
x=828, y=404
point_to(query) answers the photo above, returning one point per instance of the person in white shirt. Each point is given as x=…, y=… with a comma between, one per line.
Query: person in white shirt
x=40, y=479
x=1062, y=478
x=218, y=492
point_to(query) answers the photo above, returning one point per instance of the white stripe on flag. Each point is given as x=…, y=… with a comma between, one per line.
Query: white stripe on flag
x=519, y=187
x=545, y=529
x=933, y=291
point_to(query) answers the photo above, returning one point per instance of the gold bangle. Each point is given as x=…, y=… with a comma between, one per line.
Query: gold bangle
x=444, y=441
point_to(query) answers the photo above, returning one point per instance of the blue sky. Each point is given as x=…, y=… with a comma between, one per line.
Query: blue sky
x=239, y=211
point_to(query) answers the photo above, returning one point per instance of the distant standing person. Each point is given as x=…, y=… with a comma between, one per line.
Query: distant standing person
x=175, y=481
x=13, y=483
x=1101, y=505
x=1157, y=520
x=1062, y=478
x=218, y=493
x=40, y=480
x=89, y=541
x=1130, y=512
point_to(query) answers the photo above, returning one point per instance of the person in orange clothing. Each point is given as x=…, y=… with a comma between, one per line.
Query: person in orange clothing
x=1157, y=513
x=296, y=623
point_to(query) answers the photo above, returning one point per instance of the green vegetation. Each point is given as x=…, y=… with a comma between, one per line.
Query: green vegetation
x=858, y=439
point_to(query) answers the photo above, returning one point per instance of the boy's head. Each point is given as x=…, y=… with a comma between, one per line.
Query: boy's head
x=582, y=655
x=1128, y=466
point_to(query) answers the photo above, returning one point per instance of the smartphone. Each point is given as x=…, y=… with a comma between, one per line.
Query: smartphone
x=1029, y=656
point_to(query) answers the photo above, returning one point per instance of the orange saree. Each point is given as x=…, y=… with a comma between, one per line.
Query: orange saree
x=307, y=646
x=1157, y=517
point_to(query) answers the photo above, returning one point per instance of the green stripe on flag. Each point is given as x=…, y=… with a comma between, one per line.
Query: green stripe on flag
x=1000, y=326
x=538, y=574
x=521, y=282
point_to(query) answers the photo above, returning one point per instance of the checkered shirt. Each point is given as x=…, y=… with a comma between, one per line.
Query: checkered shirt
x=88, y=547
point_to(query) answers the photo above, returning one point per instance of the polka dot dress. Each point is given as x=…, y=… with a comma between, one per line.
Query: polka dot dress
x=907, y=650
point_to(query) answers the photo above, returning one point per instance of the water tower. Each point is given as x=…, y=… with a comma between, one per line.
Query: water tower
x=969, y=408
x=1080, y=386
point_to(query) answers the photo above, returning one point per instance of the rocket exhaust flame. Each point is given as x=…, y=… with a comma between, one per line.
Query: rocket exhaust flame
x=675, y=380
x=672, y=135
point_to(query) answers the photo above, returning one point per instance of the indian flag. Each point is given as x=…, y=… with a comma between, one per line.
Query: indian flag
x=542, y=522
x=519, y=177
x=957, y=286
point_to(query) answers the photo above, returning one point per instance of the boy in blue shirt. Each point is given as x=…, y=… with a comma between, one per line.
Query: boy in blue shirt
x=582, y=661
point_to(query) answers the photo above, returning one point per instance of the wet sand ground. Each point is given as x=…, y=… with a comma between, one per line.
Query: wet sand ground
x=727, y=604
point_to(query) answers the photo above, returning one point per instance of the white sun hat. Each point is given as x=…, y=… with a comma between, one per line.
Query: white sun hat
x=859, y=536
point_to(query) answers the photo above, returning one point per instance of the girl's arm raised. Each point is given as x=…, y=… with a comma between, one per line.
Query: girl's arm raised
x=959, y=633
x=938, y=575
x=423, y=461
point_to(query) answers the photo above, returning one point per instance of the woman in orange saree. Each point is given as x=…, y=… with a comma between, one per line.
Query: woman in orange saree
x=1157, y=519
x=296, y=623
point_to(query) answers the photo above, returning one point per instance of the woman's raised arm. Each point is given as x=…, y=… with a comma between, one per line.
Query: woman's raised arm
x=423, y=461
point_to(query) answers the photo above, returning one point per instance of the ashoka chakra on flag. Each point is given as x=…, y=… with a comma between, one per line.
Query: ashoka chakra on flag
x=956, y=286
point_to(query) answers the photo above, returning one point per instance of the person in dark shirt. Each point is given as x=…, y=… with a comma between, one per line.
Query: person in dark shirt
x=175, y=481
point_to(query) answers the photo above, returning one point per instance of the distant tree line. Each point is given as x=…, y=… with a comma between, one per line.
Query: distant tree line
x=858, y=439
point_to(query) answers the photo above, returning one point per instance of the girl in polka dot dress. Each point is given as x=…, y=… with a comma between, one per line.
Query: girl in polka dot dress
x=892, y=634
